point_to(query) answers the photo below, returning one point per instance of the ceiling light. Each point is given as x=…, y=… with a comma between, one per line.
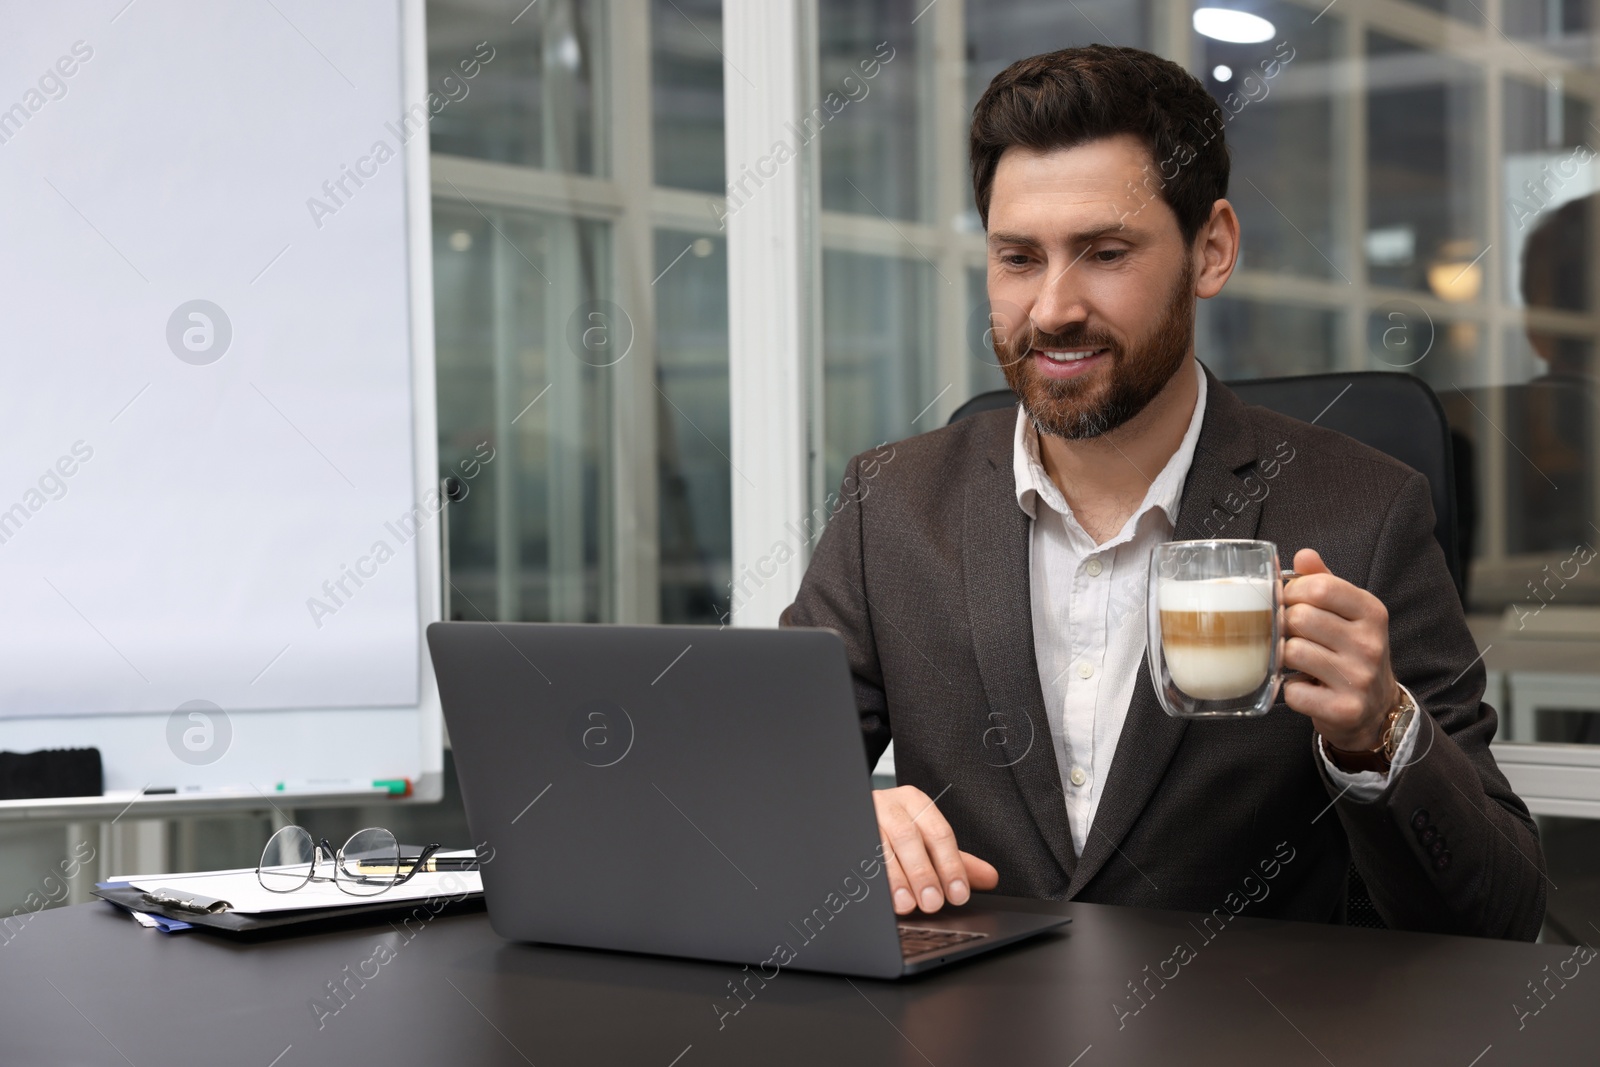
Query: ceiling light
x=568, y=55
x=1222, y=72
x=1454, y=274
x=1459, y=283
x=1234, y=27
x=1391, y=246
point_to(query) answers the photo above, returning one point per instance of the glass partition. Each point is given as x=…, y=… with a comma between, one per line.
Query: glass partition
x=536, y=99
x=524, y=538
x=696, y=513
x=686, y=93
x=581, y=307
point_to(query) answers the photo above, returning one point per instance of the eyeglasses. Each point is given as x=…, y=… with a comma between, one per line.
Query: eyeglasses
x=368, y=864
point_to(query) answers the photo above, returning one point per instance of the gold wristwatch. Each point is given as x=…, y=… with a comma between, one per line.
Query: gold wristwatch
x=1382, y=757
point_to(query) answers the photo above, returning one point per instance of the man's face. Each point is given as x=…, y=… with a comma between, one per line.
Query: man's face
x=1091, y=285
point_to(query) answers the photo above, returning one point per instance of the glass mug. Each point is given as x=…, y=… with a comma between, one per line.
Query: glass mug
x=1216, y=627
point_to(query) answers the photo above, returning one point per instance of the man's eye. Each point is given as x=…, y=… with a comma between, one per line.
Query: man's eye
x=1110, y=255
x=1015, y=260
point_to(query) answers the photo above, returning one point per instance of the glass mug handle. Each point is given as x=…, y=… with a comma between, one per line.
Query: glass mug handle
x=1286, y=674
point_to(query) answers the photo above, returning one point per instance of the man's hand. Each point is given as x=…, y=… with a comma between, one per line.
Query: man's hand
x=1338, y=637
x=919, y=852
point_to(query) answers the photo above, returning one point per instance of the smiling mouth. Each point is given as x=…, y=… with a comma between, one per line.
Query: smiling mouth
x=1069, y=355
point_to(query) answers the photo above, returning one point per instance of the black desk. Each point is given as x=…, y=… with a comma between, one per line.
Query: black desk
x=84, y=985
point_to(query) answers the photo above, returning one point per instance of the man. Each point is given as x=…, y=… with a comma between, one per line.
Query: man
x=989, y=578
x=1551, y=416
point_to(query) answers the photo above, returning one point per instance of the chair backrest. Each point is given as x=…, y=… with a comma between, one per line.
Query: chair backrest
x=991, y=401
x=1395, y=413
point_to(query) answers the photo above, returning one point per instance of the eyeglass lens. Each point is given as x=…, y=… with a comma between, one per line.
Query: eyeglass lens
x=288, y=860
x=369, y=863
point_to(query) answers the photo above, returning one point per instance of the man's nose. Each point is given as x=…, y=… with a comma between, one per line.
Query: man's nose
x=1060, y=303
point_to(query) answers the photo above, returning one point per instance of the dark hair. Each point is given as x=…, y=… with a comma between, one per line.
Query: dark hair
x=1556, y=257
x=1077, y=95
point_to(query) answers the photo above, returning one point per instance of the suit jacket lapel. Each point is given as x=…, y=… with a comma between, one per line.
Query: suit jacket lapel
x=1216, y=503
x=999, y=605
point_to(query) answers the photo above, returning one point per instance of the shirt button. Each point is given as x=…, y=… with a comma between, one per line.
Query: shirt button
x=1085, y=670
x=1078, y=777
x=1093, y=567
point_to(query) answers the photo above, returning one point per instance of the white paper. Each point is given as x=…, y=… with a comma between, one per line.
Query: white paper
x=245, y=894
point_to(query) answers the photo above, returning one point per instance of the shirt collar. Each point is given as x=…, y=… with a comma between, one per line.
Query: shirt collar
x=1165, y=492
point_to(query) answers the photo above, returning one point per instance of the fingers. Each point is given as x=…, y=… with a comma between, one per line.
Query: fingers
x=1337, y=652
x=940, y=841
x=905, y=840
x=1320, y=702
x=1335, y=632
x=1322, y=664
x=981, y=874
x=1363, y=639
x=920, y=847
x=1309, y=561
x=1337, y=636
x=1332, y=594
x=1318, y=587
x=899, y=888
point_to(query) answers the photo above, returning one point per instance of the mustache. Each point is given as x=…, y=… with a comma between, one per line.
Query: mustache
x=1078, y=335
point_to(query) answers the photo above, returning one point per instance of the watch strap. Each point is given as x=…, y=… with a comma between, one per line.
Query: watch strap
x=1358, y=759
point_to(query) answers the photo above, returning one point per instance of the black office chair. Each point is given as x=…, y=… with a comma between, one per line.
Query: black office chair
x=1393, y=412
x=1396, y=413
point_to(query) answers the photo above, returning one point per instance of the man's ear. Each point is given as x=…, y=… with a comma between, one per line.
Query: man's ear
x=1216, y=250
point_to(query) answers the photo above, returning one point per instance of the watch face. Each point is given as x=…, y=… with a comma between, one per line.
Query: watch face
x=1402, y=721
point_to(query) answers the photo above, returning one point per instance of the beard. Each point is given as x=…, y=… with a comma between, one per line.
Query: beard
x=1105, y=398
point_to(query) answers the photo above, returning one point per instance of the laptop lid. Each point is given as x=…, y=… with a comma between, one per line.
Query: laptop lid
x=686, y=791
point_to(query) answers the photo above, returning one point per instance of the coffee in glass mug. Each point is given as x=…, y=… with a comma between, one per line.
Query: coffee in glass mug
x=1215, y=619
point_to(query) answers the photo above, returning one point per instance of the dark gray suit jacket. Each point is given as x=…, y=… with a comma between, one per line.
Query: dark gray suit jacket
x=923, y=569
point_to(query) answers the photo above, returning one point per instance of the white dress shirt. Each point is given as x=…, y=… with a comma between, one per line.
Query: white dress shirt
x=1088, y=604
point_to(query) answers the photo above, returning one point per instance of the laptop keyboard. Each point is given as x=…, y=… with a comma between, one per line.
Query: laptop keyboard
x=920, y=940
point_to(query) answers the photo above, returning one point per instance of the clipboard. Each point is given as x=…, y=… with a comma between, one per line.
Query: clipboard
x=279, y=923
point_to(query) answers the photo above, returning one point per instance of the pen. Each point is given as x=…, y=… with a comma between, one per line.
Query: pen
x=447, y=863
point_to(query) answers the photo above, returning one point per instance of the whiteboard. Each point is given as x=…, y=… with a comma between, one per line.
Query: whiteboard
x=218, y=476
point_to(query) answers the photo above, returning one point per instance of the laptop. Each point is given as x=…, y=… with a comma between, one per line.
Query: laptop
x=685, y=791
